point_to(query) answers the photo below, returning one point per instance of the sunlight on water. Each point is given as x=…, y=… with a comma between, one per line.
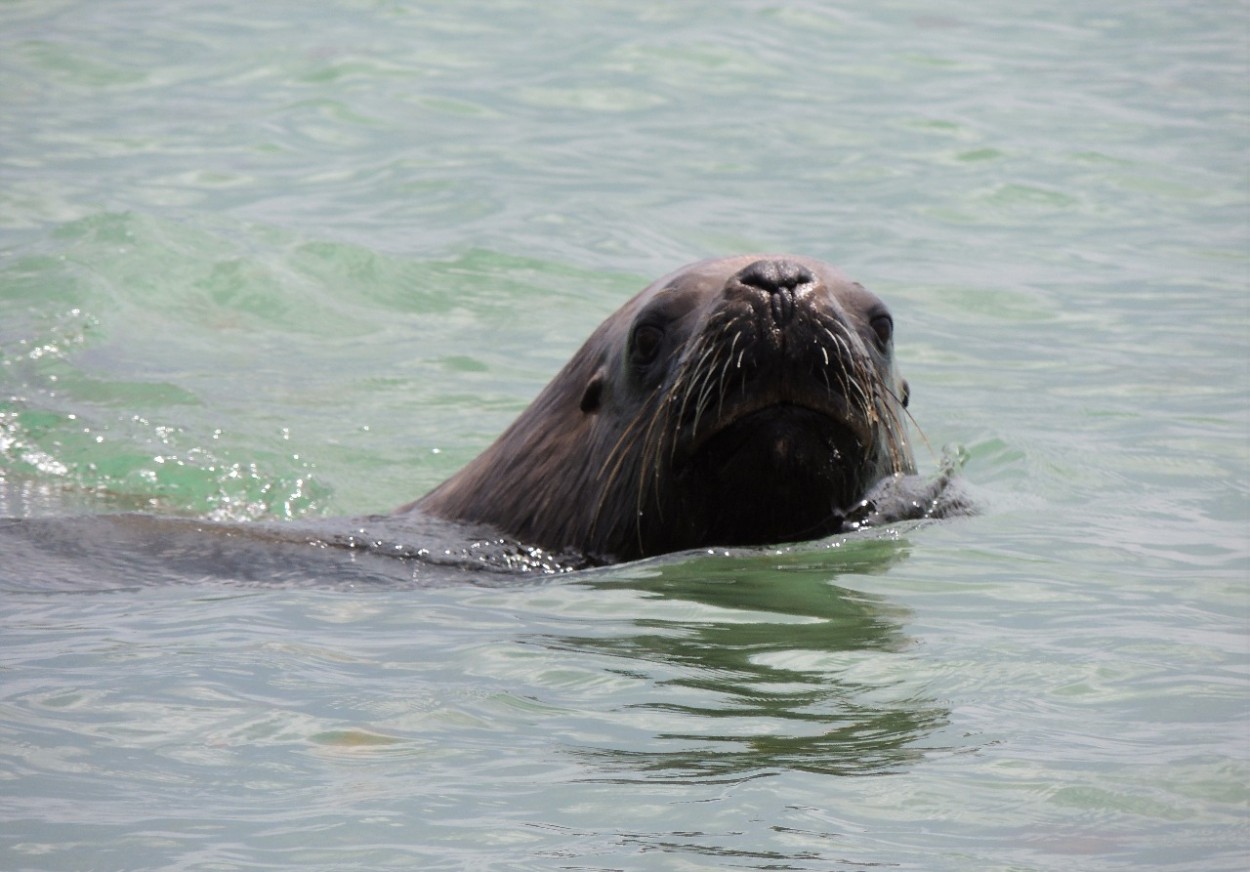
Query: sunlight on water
x=278, y=264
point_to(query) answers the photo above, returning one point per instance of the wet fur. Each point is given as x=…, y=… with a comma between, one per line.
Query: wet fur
x=616, y=458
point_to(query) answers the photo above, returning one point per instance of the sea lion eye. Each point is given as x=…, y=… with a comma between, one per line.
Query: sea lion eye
x=882, y=325
x=644, y=346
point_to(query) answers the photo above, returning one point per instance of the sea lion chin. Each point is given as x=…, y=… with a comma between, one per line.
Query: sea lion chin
x=739, y=401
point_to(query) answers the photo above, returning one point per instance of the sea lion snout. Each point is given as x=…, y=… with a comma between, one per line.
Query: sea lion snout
x=775, y=275
x=782, y=280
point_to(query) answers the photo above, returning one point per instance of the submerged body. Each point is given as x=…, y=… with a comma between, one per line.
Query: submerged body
x=740, y=401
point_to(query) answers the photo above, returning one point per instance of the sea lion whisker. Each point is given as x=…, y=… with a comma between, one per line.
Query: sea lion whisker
x=685, y=381
x=693, y=366
x=705, y=391
x=630, y=433
x=906, y=412
x=657, y=423
x=629, y=436
x=852, y=383
x=866, y=385
x=724, y=372
x=886, y=408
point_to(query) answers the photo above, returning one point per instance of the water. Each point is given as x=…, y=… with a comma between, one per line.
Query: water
x=269, y=261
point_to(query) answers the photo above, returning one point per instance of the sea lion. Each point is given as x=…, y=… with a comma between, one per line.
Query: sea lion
x=741, y=401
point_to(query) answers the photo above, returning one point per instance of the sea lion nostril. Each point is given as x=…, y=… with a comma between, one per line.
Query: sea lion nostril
x=775, y=276
x=781, y=280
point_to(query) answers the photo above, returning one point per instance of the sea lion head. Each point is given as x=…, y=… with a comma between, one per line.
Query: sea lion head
x=738, y=401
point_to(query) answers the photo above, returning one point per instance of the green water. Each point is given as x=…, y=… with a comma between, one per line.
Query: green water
x=281, y=261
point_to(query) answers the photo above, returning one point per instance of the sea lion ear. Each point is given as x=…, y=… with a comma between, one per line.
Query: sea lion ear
x=593, y=394
x=904, y=391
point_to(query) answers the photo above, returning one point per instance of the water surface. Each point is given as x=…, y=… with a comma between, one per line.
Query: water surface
x=275, y=263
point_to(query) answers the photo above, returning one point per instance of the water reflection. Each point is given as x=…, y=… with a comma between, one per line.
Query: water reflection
x=780, y=668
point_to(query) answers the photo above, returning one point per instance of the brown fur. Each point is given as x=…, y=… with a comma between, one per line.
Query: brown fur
x=735, y=401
